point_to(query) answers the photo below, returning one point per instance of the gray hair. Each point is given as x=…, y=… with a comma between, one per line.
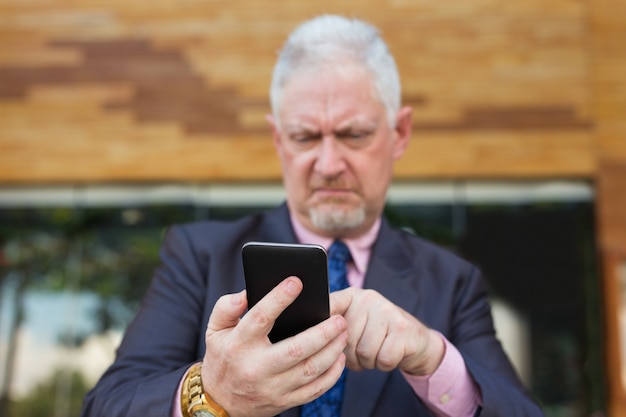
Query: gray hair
x=329, y=40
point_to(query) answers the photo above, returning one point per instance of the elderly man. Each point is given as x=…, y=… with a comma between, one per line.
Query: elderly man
x=412, y=335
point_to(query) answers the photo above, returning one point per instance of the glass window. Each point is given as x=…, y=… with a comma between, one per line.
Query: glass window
x=75, y=262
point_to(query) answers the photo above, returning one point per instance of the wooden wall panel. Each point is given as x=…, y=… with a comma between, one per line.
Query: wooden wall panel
x=116, y=91
x=611, y=192
x=608, y=92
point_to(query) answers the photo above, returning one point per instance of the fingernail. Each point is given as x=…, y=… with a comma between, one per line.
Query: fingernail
x=292, y=288
x=341, y=323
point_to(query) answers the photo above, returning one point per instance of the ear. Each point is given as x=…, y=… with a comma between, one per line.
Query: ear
x=404, y=125
x=275, y=132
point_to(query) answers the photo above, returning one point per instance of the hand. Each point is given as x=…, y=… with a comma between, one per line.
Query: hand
x=248, y=375
x=383, y=336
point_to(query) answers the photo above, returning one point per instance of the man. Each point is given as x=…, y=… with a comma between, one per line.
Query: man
x=413, y=329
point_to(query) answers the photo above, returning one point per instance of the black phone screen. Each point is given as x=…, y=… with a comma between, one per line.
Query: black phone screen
x=266, y=264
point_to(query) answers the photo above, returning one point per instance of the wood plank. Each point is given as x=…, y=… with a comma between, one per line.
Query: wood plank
x=70, y=157
x=608, y=106
x=177, y=75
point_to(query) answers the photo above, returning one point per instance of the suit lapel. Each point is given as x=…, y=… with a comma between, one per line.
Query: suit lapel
x=389, y=266
x=276, y=226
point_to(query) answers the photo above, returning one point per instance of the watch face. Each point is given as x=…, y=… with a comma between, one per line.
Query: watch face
x=202, y=413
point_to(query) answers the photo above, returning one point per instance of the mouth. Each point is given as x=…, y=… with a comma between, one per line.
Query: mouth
x=333, y=193
x=333, y=190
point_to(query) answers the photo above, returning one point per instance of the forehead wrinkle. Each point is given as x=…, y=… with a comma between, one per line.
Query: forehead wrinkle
x=327, y=108
x=341, y=118
x=299, y=125
x=358, y=121
x=333, y=109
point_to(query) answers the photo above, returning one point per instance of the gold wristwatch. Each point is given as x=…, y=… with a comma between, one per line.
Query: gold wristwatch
x=194, y=401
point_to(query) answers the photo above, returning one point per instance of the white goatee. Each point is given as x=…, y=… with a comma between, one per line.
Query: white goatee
x=330, y=217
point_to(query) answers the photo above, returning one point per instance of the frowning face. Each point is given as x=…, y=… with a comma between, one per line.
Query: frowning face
x=337, y=149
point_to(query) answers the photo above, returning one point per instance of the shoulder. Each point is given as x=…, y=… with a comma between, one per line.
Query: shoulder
x=216, y=232
x=222, y=235
x=207, y=230
x=428, y=254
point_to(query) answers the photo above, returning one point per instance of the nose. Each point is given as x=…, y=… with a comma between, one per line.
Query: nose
x=330, y=159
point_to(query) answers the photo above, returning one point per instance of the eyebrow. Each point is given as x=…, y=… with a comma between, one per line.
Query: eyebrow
x=360, y=123
x=298, y=128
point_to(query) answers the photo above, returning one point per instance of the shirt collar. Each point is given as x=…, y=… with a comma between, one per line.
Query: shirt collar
x=360, y=247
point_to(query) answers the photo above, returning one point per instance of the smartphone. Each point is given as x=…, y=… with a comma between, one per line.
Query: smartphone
x=265, y=264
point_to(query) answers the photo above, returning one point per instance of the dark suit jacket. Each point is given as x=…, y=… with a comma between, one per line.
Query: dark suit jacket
x=202, y=261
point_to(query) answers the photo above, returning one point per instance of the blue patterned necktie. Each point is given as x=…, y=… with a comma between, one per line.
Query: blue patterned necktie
x=329, y=404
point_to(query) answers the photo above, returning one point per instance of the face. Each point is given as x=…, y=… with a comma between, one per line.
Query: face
x=337, y=150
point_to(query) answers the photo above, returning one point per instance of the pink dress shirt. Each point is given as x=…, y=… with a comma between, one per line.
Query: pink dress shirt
x=450, y=390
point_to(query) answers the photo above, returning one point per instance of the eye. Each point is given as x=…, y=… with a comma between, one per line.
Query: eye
x=355, y=137
x=353, y=133
x=305, y=139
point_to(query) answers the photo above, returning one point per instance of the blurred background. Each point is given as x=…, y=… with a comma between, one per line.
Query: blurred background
x=119, y=118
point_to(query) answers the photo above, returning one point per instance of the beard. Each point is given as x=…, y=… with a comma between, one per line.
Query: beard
x=332, y=217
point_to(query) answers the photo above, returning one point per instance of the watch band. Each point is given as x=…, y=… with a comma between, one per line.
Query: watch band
x=194, y=400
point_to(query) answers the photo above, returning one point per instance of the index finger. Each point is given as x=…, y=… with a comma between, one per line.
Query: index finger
x=259, y=320
x=340, y=301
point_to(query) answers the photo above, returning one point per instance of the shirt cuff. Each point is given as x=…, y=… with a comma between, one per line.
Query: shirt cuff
x=450, y=390
x=176, y=406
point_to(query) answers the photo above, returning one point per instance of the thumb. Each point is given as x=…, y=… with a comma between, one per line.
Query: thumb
x=227, y=311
